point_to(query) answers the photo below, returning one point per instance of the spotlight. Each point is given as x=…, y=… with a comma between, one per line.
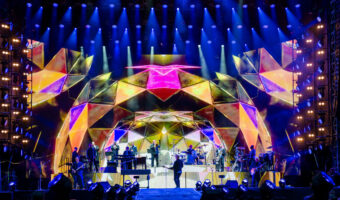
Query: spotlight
x=192, y=6
x=318, y=19
x=198, y=185
x=282, y=183
x=29, y=5
x=83, y=5
x=127, y=183
x=113, y=5
x=245, y=182
x=272, y=6
x=267, y=189
x=217, y=6
x=97, y=190
x=61, y=25
x=55, y=5
x=297, y=6
x=206, y=184
x=12, y=186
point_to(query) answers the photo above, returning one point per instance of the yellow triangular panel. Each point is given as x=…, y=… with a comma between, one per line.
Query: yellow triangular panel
x=126, y=91
x=200, y=91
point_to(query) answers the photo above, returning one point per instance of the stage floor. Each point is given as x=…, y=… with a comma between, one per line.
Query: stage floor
x=163, y=178
x=169, y=194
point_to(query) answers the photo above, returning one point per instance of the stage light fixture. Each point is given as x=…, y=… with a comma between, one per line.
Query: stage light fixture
x=245, y=182
x=60, y=187
x=267, y=189
x=127, y=183
x=198, y=185
x=206, y=184
x=299, y=139
x=97, y=190
x=282, y=183
x=12, y=185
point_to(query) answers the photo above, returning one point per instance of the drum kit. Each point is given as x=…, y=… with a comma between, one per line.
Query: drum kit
x=197, y=156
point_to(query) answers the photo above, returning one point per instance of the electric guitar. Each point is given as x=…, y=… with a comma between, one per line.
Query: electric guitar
x=254, y=169
x=75, y=170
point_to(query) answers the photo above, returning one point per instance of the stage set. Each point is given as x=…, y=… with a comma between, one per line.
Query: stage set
x=166, y=103
x=223, y=97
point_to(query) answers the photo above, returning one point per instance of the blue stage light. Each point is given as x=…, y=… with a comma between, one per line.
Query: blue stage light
x=297, y=6
x=165, y=6
x=192, y=6
x=245, y=6
x=113, y=5
x=83, y=5
x=55, y=5
x=272, y=5
x=29, y=5
x=61, y=25
x=218, y=6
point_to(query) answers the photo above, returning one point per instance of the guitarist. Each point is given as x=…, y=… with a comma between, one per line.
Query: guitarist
x=77, y=173
x=254, y=169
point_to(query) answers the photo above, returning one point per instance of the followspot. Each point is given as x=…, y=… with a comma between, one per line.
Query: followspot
x=272, y=6
x=286, y=8
x=252, y=28
x=233, y=9
x=297, y=6
x=318, y=19
x=41, y=7
x=192, y=6
x=88, y=26
x=282, y=183
x=165, y=6
x=245, y=6
x=176, y=29
x=164, y=26
x=113, y=5
x=61, y=25
x=29, y=5
x=83, y=5
x=177, y=9
x=205, y=9
x=55, y=5
x=218, y=6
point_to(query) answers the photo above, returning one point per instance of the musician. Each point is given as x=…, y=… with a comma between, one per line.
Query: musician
x=75, y=154
x=127, y=159
x=134, y=154
x=254, y=169
x=92, y=154
x=191, y=155
x=252, y=154
x=114, y=149
x=77, y=173
x=177, y=167
x=154, y=150
x=221, y=153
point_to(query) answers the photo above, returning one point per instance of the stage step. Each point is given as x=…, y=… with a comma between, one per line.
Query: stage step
x=168, y=194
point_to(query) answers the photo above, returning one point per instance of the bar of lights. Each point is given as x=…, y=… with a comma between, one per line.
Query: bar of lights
x=5, y=105
x=299, y=117
x=5, y=26
x=320, y=26
x=25, y=118
x=15, y=112
x=321, y=103
x=15, y=88
x=321, y=77
x=321, y=52
x=321, y=129
x=299, y=95
x=16, y=136
x=15, y=40
x=310, y=111
x=4, y=131
x=25, y=96
x=311, y=135
x=16, y=64
x=25, y=51
x=309, y=64
x=299, y=139
x=4, y=78
x=299, y=73
x=25, y=141
x=310, y=88
x=5, y=52
x=309, y=41
x=25, y=74
x=299, y=51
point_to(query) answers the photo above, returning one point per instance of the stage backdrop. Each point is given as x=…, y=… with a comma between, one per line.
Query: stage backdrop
x=162, y=101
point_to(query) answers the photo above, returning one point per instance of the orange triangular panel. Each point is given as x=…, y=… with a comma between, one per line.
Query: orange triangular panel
x=200, y=91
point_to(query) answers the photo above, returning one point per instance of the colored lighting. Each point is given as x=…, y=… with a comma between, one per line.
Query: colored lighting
x=55, y=5
x=29, y=5
x=83, y=5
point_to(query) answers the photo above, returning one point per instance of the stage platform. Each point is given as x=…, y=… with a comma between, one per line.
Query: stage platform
x=163, y=178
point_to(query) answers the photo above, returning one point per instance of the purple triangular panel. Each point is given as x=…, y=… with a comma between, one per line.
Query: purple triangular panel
x=270, y=86
x=75, y=112
x=209, y=132
x=119, y=133
x=55, y=87
x=251, y=112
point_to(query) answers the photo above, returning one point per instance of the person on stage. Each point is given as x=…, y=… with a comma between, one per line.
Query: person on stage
x=115, y=150
x=74, y=154
x=191, y=155
x=77, y=173
x=177, y=167
x=127, y=160
x=254, y=169
x=252, y=154
x=92, y=154
x=221, y=153
x=154, y=150
x=134, y=154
